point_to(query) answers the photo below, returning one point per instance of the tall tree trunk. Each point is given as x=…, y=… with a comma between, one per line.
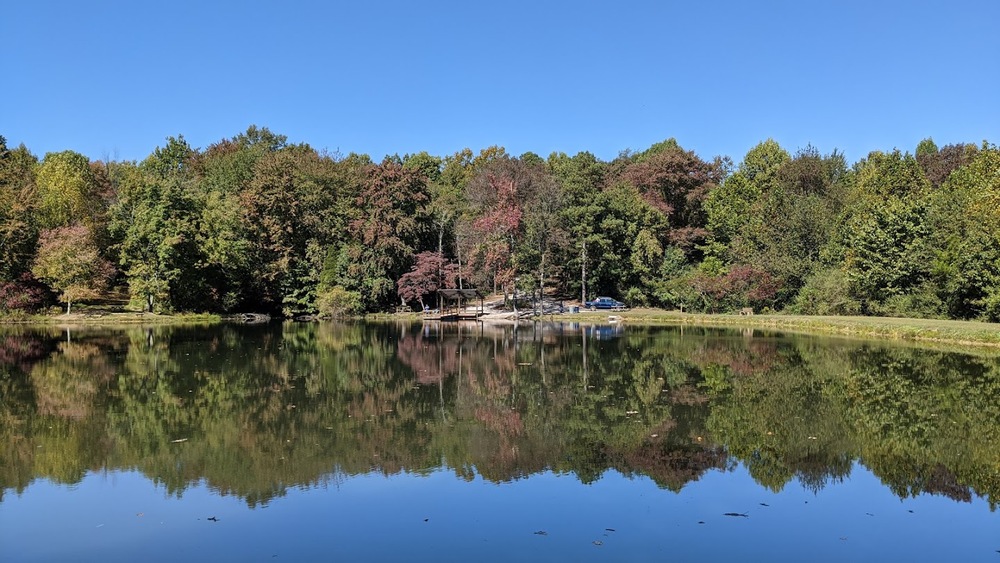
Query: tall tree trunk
x=583, y=274
x=458, y=255
x=440, y=282
x=541, y=282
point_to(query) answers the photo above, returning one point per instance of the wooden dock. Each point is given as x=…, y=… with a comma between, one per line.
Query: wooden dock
x=451, y=317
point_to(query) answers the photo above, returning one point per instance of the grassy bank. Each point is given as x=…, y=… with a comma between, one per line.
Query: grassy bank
x=106, y=318
x=962, y=333
x=927, y=330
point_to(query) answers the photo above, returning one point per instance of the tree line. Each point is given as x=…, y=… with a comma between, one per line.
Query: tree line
x=255, y=223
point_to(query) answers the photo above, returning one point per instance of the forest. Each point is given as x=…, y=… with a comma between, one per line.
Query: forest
x=255, y=223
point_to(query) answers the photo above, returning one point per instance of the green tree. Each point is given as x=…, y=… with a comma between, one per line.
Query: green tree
x=221, y=175
x=776, y=213
x=884, y=234
x=631, y=246
x=732, y=204
x=18, y=211
x=965, y=232
x=154, y=221
x=581, y=178
x=66, y=189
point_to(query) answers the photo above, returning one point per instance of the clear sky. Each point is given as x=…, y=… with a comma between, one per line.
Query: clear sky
x=115, y=78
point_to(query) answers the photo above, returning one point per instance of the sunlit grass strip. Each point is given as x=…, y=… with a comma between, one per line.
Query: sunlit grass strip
x=930, y=330
x=112, y=319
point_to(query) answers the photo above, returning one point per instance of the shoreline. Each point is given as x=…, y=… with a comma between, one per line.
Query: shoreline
x=949, y=332
x=110, y=319
x=958, y=333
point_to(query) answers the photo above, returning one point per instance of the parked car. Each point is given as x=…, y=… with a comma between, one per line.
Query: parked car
x=605, y=303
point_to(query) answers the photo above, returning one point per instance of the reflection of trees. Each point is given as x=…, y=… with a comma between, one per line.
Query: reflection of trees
x=262, y=408
x=67, y=385
x=674, y=468
x=51, y=418
x=21, y=349
x=928, y=421
x=784, y=419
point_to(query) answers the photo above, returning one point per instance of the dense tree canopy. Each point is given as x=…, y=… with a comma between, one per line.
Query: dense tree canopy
x=256, y=223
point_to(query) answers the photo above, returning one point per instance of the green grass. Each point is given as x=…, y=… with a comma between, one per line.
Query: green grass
x=926, y=330
x=100, y=317
x=963, y=333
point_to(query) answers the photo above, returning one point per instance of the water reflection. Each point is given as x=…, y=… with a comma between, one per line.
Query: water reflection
x=252, y=411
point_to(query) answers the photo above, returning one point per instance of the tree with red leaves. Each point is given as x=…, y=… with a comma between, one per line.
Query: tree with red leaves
x=431, y=271
x=740, y=286
x=676, y=182
x=500, y=193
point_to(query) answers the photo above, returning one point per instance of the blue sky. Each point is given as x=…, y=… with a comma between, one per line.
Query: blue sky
x=115, y=78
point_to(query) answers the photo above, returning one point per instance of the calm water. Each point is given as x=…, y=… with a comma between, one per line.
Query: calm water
x=379, y=442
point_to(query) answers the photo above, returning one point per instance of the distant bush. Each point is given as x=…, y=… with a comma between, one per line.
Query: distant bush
x=991, y=305
x=826, y=292
x=921, y=302
x=25, y=294
x=635, y=297
x=338, y=302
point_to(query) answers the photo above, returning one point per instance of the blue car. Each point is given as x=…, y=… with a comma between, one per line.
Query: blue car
x=605, y=303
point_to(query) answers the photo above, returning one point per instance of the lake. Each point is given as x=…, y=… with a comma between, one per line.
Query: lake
x=570, y=442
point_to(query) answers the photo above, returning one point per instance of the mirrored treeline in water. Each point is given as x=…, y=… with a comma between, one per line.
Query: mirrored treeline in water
x=254, y=411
